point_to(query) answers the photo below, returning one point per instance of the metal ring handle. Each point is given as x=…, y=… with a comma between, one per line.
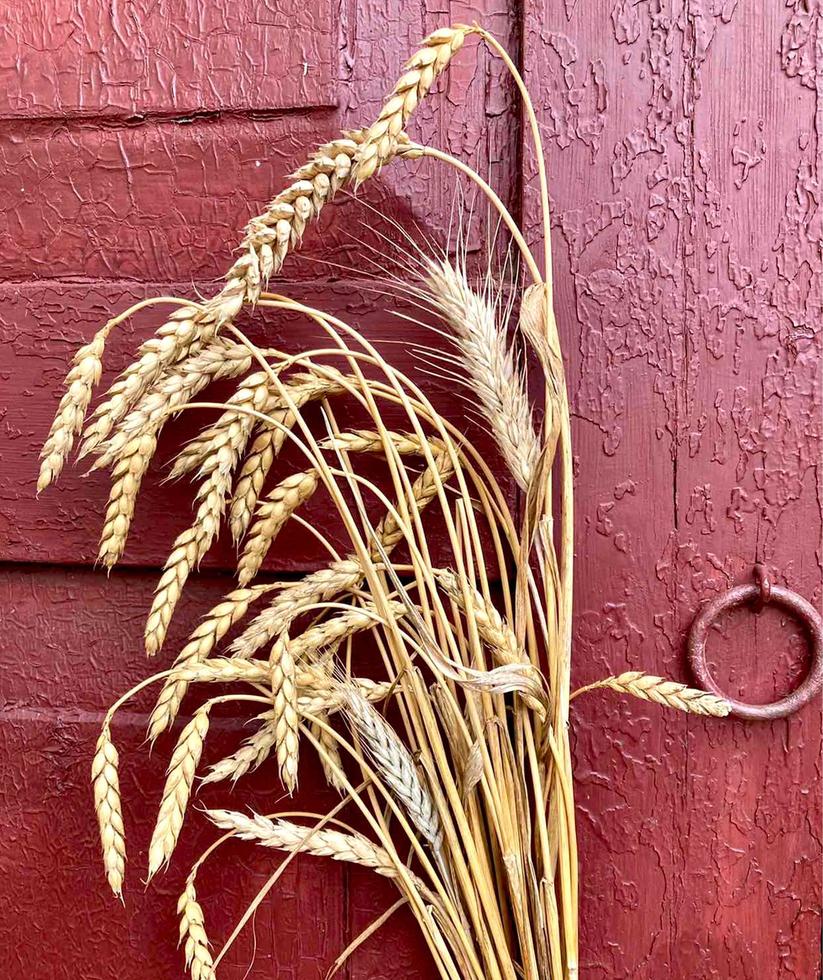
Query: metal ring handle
x=802, y=610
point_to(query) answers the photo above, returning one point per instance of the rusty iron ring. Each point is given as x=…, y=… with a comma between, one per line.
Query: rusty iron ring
x=740, y=595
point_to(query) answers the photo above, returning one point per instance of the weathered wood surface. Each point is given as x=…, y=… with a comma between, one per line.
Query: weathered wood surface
x=684, y=148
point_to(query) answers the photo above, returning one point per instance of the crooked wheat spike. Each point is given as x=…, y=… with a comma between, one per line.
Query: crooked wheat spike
x=106, y=784
x=495, y=375
x=271, y=515
x=217, y=622
x=396, y=766
x=83, y=376
x=193, y=934
x=176, y=792
x=286, y=719
x=421, y=70
x=662, y=691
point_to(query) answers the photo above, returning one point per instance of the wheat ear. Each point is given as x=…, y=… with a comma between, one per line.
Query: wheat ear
x=84, y=374
x=330, y=758
x=286, y=719
x=217, y=622
x=331, y=632
x=662, y=691
x=191, y=546
x=176, y=792
x=395, y=765
x=193, y=934
x=250, y=756
x=288, y=836
x=318, y=586
x=133, y=449
x=420, y=72
x=182, y=335
x=106, y=785
x=369, y=441
x=496, y=378
x=272, y=514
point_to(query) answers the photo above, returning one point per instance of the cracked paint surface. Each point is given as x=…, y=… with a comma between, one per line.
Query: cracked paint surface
x=690, y=289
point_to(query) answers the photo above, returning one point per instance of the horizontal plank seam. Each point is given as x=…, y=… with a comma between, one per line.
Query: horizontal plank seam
x=183, y=117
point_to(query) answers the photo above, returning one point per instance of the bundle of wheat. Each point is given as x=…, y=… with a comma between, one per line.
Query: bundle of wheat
x=473, y=780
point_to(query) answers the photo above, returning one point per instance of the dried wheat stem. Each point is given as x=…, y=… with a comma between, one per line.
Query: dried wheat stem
x=176, y=792
x=286, y=719
x=80, y=381
x=217, y=622
x=496, y=378
x=193, y=934
x=396, y=766
x=421, y=70
x=662, y=691
x=272, y=514
x=106, y=784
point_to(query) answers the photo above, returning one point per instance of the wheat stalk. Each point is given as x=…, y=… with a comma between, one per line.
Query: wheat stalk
x=420, y=72
x=490, y=363
x=219, y=360
x=106, y=784
x=193, y=934
x=177, y=790
x=396, y=766
x=286, y=719
x=83, y=376
x=272, y=514
x=217, y=622
x=287, y=836
x=250, y=756
x=662, y=691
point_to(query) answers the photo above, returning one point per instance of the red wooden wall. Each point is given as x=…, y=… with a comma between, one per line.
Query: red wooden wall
x=684, y=143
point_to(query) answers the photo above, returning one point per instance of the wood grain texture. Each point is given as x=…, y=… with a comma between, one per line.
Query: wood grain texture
x=684, y=142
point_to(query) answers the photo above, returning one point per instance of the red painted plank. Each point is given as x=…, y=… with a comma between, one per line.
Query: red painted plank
x=82, y=59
